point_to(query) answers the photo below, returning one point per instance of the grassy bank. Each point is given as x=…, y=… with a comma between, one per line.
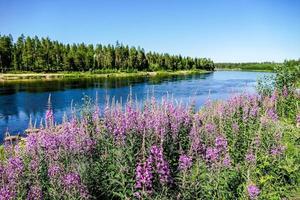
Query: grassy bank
x=261, y=67
x=62, y=75
x=243, y=69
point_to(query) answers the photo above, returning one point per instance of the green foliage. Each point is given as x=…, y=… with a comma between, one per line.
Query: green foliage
x=2, y=153
x=263, y=66
x=45, y=55
x=288, y=74
x=283, y=84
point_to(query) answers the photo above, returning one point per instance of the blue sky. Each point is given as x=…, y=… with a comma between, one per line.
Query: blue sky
x=223, y=30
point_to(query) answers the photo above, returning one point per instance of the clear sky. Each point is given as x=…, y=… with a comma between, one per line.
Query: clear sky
x=223, y=30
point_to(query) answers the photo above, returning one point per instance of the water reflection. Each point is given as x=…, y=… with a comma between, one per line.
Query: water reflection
x=20, y=100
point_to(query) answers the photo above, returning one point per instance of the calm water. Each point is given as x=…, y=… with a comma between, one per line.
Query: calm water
x=19, y=101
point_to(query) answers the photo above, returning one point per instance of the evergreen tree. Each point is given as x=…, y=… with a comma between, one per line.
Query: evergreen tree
x=6, y=50
x=34, y=54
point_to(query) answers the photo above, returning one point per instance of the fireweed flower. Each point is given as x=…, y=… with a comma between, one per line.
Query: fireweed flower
x=49, y=117
x=245, y=112
x=96, y=114
x=257, y=141
x=54, y=171
x=6, y=193
x=34, y=165
x=197, y=146
x=212, y=154
x=14, y=168
x=143, y=175
x=278, y=150
x=219, y=109
x=9, y=148
x=137, y=195
x=71, y=180
x=220, y=143
x=274, y=97
x=253, y=191
x=250, y=157
x=35, y=193
x=2, y=171
x=32, y=144
x=185, y=162
x=227, y=160
x=272, y=114
x=49, y=141
x=161, y=166
x=210, y=127
x=131, y=117
x=285, y=91
x=254, y=110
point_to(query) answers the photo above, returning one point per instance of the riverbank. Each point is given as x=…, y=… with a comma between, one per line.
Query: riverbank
x=64, y=75
x=246, y=70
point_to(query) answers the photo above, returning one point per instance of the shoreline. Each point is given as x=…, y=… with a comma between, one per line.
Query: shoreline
x=10, y=77
x=33, y=76
x=245, y=70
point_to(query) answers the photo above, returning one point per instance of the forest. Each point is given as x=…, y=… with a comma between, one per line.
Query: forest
x=36, y=54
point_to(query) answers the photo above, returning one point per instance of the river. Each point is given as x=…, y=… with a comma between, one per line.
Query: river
x=20, y=101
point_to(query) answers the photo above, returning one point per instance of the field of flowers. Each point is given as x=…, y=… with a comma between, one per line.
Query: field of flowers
x=244, y=148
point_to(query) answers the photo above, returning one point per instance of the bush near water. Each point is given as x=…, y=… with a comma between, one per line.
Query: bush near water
x=244, y=148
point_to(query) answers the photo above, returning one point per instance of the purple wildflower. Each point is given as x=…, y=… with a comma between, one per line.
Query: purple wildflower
x=272, y=114
x=96, y=113
x=274, y=96
x=254, y=110
x=245, y=109
x=256, y=141
x=143, y=176
x=210, y=127
x=14, y=168
x=49, y=117
x=212, y=154
x=72, y=180
x=161, y=166
x=2, y=170
x=35, y=193
x=253, y=191
x=185, y=162
x=221, y=143
x=137, y=195
x=250, y=157
x=34, y=165
x=54, y=171
x=6, y=193
x=275, y=151
x=227, y=160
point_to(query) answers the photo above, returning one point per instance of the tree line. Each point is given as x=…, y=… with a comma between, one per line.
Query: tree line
x=46, y=55
x=248, y=65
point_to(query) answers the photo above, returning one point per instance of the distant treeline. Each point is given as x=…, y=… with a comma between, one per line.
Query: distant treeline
x=42, y=54
x=270, y=66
